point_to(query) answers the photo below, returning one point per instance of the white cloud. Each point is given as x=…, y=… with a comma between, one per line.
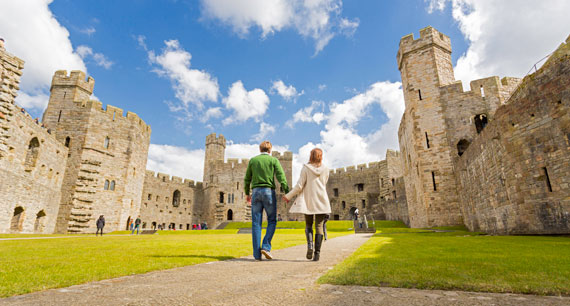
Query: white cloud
x=265, y=129
x=100, y=60
x=322, y=87
x=214, y=112
x=245, y=104
x=192, y=87
x=33, y=34
x=286, y=92
x=506, y=37
x=176, y=161
x=342, y=144
x=308, y=114
x=88, y=31
x=319, y=20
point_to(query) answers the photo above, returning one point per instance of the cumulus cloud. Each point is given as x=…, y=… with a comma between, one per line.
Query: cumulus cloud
x=100, y=59
x=265, y=129
x=313, y=113
x=505, y=37
x=213, y=112
x=319, y=20
x=33, y=34
x=286, y=92
x=245, y=104
x=192, y=87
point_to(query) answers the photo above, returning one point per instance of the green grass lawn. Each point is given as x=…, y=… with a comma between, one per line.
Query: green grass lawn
x=459, y=260
x=33, y=265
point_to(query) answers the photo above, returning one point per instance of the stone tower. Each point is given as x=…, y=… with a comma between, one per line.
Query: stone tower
x=107, y=155
x=215, y=151
x=425, y=65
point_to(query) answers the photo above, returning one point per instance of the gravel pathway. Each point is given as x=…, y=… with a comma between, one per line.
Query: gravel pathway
x=289, y=279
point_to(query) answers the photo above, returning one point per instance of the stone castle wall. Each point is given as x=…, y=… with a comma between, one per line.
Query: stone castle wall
x=514, y=177
x=32, y=161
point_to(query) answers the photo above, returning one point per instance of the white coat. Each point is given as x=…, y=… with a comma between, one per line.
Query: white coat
x=312, y=191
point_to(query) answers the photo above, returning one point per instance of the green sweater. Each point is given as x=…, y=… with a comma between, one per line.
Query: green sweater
x=261, y=172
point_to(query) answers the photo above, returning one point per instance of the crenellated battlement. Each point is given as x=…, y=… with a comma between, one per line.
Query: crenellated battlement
x=75, y=78
x=214, y=139
x=287, y=155
x=116, y=114
x=356, y=168
x=428, y=37
x=159, y=177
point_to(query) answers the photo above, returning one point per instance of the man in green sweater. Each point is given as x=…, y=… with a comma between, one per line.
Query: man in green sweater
x=260, y=176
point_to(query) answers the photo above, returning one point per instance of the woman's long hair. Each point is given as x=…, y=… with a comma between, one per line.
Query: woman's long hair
x=316, y=156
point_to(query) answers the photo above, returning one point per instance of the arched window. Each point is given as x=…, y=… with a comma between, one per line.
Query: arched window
x=67, y=141
x=343, y=205
x=221, y=197
x=112, y=186
x=480, y=122
x=230, y=215
x=17, y=219
x=40, y=222
x=176, y=198
x=33, y=152
x=106, y=187
x=184, y=201
x=106, y=144
x=462, y=146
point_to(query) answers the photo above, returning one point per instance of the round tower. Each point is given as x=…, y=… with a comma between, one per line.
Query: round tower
x=215, y=151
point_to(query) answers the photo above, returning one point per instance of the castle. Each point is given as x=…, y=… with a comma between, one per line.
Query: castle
x=495, y=159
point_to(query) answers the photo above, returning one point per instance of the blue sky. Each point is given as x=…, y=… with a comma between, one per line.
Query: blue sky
x=297, y=72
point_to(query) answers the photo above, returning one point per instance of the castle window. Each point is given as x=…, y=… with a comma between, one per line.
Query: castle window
x=184, y=201
x=149, y=196
x=433, y=181
x=59, y=116
x=427, y=140
x=462, y=146
x=221, y=197
x=393, y=182
x=233, y=200
x=106, y=187
x=17, y=221
x=547, y=179
x=237, y=187
x=157, y=198
x=381, y=182
x=33, y=152
x=382, y=198
x=335, y=191
x=482, y=92
x=40, y=220
x=343, y=205
x=114, y=113
x=67, y=141
x=112, y=186
x=230, y=215
x=394, y=194
x=164, y=178
x=360, y=187
x=176, y=198
x=106, y=145
x=363, y=203
x=480, y=122
x=420, y=94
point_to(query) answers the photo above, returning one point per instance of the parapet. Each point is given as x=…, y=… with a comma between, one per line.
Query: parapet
x=357, y=168
x=213, y=139
x=428, y=37
x=117, y=114
x=163, y=177
x=287, y=155
x=76, y=78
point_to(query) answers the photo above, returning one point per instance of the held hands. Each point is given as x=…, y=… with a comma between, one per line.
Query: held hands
x=285, y=199
x=248, y=198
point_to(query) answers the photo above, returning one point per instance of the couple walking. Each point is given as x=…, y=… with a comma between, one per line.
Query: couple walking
x=312, y=199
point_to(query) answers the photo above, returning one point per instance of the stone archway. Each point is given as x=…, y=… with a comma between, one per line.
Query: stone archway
x=17, y=222
x=462, y=146
x=230, y=215
x=39, y=225
x=351, y=212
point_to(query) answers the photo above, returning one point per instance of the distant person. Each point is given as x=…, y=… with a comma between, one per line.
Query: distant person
x=312, y=201
x=205, y=226
x=327, y=216
x=260, y=177
x=199, y=226
x=137, y=225
x=131, y=225
x=100, y=225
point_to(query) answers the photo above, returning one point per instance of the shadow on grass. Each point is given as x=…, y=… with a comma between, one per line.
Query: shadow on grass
x=220, y=258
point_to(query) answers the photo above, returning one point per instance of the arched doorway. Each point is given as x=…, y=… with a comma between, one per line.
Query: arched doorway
x=17, y=221
x=230, y=215
x=128, y=222
x=480, y=122
x=176, y=198
x=40, y=222
x=33, y=152
x=351, y=212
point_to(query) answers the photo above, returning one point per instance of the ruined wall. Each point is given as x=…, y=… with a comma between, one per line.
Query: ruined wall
x=514, y=176
x=162, y=205
x=31, y=161
x=425, y=65
x=107, y=156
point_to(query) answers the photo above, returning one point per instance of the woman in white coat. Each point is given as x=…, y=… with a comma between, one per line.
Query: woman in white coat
x=312, y=201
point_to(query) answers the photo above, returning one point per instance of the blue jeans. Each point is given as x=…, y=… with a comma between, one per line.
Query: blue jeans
x=263, y=198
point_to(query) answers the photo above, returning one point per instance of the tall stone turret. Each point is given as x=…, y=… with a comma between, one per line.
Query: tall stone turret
x=425, y=65
x=215, y=151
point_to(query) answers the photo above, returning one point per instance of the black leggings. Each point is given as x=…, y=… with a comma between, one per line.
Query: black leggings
x=99, y=229
x=320, y=221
